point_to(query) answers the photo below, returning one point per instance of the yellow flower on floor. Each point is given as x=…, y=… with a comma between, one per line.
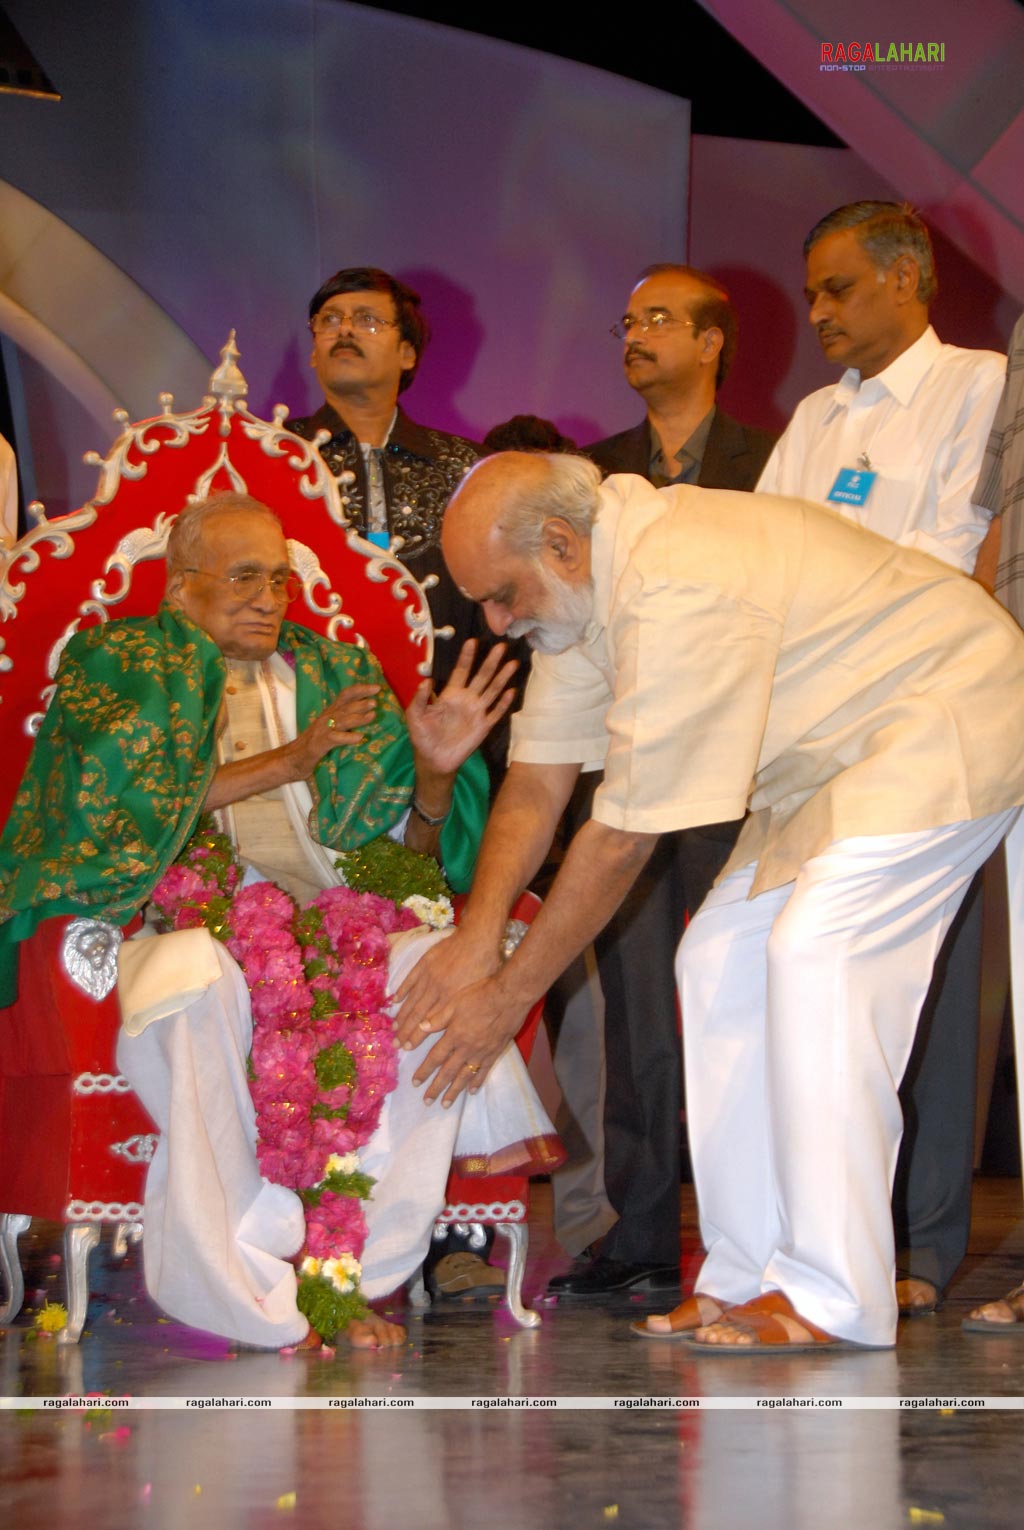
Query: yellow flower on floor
x=51, y=1318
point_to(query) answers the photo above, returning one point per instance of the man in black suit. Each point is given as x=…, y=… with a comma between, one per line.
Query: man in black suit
x=679, y=340
x=679, y=336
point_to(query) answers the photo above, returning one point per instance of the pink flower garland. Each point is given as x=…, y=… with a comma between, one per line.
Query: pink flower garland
x=323, y=1051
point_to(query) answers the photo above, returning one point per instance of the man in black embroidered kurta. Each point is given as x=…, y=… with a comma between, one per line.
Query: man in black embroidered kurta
x=368, y=337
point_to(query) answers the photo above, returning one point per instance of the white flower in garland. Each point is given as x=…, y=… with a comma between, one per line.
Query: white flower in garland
x=343, y=1272
x=309, y=1266
x=341, y=1163
x=437, y=912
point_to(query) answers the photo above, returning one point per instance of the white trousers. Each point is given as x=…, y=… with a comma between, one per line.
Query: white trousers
x=799, y=1011
x=218, y=1235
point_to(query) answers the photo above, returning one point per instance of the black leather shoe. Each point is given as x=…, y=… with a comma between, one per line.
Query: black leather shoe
x=592, y=1278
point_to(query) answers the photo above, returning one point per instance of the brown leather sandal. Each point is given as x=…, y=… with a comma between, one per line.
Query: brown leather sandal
x=462, y=1272
x=683, y=1319
x=760, y=1318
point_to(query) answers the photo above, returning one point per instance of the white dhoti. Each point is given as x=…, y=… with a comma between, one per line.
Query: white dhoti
x=799, y=1011
x=218, y=1235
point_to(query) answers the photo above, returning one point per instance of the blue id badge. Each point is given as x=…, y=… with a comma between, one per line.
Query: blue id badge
x=852, y=486
x=382, y=539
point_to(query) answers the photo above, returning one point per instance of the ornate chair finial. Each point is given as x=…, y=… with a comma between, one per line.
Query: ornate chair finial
x=227, y=383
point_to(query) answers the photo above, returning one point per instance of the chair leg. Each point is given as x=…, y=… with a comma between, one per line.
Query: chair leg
x=80, y=1238
x=12, y=1225
x=517, y=1236
x=125, y=1233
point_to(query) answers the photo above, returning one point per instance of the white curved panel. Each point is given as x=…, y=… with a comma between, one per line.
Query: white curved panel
x=84, y=320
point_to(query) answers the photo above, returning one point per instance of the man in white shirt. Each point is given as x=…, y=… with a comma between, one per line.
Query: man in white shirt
x=1001, y=488
x=714, y=650
x=909, y=418
x=896, y=445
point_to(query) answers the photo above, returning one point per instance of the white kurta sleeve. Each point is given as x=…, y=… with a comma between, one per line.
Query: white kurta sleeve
x=562, y=721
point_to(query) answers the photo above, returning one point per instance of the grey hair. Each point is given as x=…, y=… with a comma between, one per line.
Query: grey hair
x=569, y=491
x=186, y=535
x=886, y=231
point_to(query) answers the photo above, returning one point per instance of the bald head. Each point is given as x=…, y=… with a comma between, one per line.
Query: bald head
x=516, y=539
x=512, y=495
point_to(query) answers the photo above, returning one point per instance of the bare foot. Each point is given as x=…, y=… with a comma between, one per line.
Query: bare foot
x=1009, y=1309
x=725, y=1332
x=913, y=1295
x=311, y=1341
x=373, y=1332
x=695, y=1310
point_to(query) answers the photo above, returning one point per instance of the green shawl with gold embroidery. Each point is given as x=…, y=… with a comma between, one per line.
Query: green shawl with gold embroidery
x=126, y=754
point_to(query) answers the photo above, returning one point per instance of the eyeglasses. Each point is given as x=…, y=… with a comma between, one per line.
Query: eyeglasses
x=652, y=326
x=329, y=321
x=250, y=585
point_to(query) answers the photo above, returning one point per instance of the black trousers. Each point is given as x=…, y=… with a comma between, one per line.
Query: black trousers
x=644, y=1084
x=931, y=1203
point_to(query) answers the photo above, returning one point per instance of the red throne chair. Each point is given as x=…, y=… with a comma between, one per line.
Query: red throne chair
x=74, y=1140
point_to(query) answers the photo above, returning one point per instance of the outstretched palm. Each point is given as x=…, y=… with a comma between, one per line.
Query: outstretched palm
x=446, y=729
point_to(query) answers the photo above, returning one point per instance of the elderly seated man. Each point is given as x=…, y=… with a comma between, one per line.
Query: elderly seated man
x=299, y=751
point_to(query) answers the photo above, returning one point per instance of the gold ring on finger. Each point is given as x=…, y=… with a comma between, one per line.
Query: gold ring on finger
x=331, y=723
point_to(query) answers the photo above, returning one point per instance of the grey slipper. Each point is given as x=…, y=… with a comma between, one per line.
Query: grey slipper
x=987, y=1325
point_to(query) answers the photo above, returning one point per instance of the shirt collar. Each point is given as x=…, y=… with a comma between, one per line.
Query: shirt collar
x=404, y=432
x=900, y=379
x=691, y=452
x=366, y=448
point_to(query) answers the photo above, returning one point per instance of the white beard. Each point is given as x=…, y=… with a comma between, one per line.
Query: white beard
x=569, y=609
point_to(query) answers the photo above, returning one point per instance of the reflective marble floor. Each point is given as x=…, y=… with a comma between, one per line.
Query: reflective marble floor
x=373, y=1470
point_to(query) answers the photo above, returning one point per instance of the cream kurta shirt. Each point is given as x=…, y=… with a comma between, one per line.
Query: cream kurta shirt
x=754, y=650
x=270, y=830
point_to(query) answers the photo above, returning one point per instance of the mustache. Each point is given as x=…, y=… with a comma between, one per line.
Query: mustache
x=637, y=351
x=346, y=345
